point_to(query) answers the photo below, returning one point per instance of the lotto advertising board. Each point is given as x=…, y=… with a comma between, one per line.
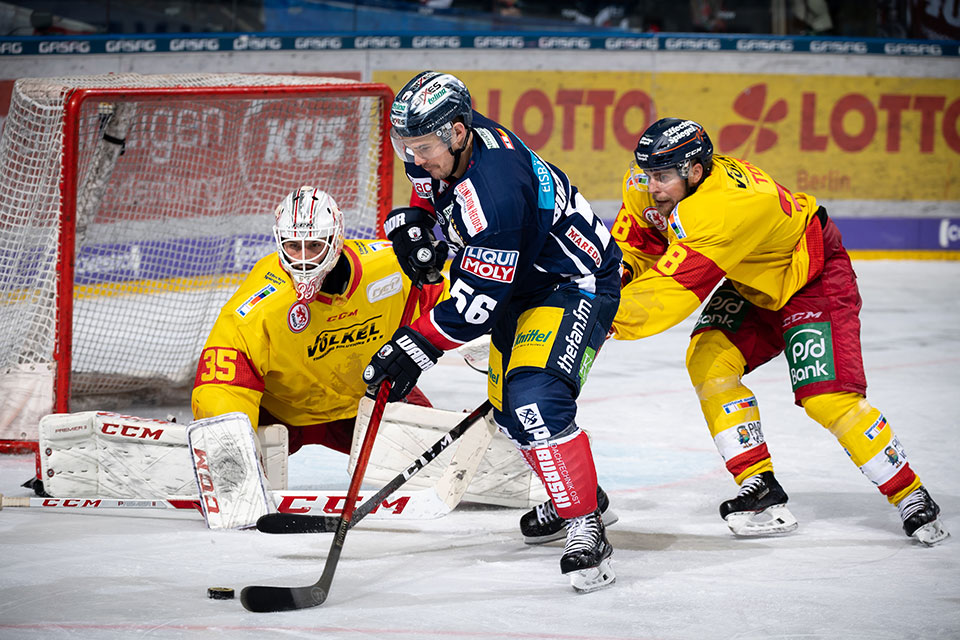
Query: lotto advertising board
x=837, y=137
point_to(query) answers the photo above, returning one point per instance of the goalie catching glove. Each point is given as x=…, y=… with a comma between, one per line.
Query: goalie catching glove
x=421, y=257
x=401, y=360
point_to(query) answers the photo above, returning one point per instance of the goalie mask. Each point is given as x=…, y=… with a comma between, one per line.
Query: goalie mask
x=424, y=112
x=309, y=236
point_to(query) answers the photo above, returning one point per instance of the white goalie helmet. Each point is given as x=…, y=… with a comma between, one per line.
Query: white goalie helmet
x=309, y=236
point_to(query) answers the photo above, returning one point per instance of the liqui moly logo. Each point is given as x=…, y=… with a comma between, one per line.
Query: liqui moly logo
x=490, y=264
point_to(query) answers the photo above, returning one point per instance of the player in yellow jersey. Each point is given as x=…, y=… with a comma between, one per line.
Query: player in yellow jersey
x=690, y=219
x=291, y=344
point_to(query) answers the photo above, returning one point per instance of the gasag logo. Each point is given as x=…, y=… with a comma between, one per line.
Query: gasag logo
x=809, y=353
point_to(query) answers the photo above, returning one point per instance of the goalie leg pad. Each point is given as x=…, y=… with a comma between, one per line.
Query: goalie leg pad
x=232, y=484
x=501, y=477
x=274, y=453
x=102, y=454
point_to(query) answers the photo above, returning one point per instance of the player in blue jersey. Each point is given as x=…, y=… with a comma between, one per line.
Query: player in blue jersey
x=535, y=268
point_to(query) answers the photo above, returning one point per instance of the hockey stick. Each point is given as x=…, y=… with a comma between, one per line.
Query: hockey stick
x=402, y=505
x=264, y=598
x=84, y=504
x=297, y=523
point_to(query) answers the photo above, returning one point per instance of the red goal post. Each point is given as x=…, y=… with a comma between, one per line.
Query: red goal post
x=131, y=206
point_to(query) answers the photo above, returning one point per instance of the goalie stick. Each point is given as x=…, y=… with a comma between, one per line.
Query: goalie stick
x=298, y=523
x=264, y=598
x=84, y=504
x=403, y=505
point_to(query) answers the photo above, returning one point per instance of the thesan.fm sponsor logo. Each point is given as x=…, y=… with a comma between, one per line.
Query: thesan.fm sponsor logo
x=490, y=264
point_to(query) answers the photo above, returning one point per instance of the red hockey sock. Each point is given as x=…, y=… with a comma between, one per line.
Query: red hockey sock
x=568, y=474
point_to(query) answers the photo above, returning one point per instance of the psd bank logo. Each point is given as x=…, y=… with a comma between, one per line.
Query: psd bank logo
x=751, y=104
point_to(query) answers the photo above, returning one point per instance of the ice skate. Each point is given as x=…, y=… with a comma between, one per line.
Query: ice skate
x=542, y=524
x=586, y=556
x=920, y=518
x=759, y=508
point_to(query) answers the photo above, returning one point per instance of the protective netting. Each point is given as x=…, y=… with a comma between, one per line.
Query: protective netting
x=167, y=223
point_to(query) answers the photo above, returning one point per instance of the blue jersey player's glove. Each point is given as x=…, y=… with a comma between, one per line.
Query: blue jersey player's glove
x=402, y=359
x=421, y=257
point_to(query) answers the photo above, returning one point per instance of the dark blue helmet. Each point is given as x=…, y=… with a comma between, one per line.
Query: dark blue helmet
x=429, y=103
x=673, y=143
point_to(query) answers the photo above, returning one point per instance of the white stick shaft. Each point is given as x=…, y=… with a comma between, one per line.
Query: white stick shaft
x=97, y=503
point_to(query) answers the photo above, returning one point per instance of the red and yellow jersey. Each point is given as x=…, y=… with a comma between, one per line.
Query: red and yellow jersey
x=739, y=223
x=302, y=362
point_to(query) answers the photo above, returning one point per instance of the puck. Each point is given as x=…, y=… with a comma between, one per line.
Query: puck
x=220, y=593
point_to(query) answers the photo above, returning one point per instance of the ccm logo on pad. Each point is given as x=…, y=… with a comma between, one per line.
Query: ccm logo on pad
x=490, y=264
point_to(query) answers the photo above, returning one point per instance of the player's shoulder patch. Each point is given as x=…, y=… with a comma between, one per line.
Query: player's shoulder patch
x=676, y=225
x=366, y=247
x=488, y=138
x=636, y=180
x=252, y=301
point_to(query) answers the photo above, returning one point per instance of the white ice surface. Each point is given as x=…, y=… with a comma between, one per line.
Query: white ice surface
x=847, y=573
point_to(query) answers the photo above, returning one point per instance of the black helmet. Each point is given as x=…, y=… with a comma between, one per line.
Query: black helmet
x=428, y=103
x=674, y=143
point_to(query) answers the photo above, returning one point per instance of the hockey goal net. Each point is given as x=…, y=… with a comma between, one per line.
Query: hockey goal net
x=131, y=207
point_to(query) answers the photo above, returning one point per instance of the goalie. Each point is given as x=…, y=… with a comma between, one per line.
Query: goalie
x=289, y=347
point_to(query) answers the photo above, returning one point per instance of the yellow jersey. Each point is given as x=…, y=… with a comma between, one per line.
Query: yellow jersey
x=739, y=223
x=302, y=362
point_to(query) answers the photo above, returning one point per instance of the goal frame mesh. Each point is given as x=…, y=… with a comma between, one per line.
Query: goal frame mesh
x=74, y=101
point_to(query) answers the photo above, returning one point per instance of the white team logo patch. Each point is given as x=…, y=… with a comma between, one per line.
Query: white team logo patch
x=384, y=287
x=470, y=210
x=298, y=317
x=529, y=416
x=654, y=217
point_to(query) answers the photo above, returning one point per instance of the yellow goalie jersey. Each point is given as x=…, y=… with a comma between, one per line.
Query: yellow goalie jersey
x=739, y=223
x=302, y=362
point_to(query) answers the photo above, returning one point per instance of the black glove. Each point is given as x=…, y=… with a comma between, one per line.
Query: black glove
x=421, y=257
x=405, y=356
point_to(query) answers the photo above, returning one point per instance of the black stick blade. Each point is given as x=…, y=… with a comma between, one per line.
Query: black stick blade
x=267, y=599
x=296, y=523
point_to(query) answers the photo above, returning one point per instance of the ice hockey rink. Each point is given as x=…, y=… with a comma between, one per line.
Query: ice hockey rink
x=847, y=572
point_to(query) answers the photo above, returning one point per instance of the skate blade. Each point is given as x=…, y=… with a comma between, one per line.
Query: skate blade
x=931, y=533
x=772, y=521
x=594, y=578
